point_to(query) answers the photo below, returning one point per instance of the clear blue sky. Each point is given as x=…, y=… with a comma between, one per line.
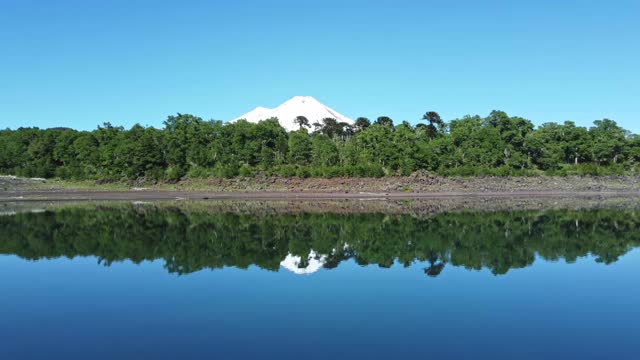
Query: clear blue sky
x=81, y=63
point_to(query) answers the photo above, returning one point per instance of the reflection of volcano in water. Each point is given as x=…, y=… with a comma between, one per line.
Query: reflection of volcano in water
x=192, y=240
x=300, y=266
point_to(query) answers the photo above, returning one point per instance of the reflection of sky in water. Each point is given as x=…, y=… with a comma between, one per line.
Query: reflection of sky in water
x=60, y=307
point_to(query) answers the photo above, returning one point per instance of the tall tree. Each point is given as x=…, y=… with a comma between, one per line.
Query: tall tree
x=331, y=127
x=302, y=121
x=300, y=148
x=362, y=123
x=325, y=152
x=385, y=121
x=435, y=123
x=608, y=141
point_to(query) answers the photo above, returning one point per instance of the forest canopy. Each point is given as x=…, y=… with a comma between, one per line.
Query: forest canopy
x=190, y=146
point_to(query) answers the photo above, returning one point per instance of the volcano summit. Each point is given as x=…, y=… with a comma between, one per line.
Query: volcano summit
x=286, y=113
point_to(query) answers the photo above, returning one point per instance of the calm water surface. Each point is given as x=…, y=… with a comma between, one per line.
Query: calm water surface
x=131, y=281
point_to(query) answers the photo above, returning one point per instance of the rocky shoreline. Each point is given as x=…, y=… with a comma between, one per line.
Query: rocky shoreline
x=417, y=183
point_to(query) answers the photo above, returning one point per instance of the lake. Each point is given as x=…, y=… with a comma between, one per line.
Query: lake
x=522, y=280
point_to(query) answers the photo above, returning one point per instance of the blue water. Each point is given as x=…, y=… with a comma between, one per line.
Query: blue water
x=61, y=308
x=75, y=309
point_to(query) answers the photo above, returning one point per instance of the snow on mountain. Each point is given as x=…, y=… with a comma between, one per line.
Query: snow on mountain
x=286, y=113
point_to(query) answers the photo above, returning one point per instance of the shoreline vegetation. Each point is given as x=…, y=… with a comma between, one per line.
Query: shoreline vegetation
x=190, y=150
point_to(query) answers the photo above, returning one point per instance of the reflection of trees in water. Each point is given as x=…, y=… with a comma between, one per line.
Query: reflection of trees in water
x=191, y=241
x=435, y=266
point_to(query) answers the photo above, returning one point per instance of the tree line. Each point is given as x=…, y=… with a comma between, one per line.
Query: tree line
x=189, y=241
x=190, y=146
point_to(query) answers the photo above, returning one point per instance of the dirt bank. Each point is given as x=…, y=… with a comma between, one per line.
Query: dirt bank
x=416, y=207
x=417, y=186
x=416, y=183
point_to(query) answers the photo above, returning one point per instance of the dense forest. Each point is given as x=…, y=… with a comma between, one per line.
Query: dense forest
x=189, y=241
x=190, y=146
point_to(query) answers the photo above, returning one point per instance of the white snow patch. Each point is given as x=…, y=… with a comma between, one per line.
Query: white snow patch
x=286, y=113
x=315, y=263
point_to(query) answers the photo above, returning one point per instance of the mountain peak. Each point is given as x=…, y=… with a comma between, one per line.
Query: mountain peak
x=302, y=99
x=286, y=113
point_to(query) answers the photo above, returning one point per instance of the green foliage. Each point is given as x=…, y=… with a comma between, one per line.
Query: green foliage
x=497, y=145
x=300, y=148
x=384, y=121
x=174, y=174
x=362, y=123
x=324, y=151
x=435, y=126
x=286, y=170
x=246, y=171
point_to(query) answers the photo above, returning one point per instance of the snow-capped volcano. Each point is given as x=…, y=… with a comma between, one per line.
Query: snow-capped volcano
x=286, y=113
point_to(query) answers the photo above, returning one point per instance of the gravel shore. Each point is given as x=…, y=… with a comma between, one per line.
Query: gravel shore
x=419, y=185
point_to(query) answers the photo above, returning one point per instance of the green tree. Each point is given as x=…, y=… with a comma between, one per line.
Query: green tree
x=181, y=134
x=273, y=140
x=331, y=127
x=324, y=151
x=384, y=121
x=435, y=123
x=361, y=123
x=608, y=141
x=300, y=148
